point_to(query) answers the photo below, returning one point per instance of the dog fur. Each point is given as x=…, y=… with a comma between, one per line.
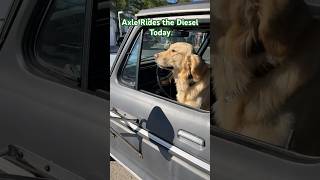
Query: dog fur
x=194, y=91
x=265, y=52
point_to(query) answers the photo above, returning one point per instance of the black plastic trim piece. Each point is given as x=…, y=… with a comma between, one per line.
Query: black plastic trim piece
x=9, y=20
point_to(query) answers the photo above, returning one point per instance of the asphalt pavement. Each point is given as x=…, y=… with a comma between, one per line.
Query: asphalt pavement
x=117, y=172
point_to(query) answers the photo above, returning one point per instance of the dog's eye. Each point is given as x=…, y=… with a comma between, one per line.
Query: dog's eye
x=173, y=50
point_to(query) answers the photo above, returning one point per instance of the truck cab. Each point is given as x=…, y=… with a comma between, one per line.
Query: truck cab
x=151, y=134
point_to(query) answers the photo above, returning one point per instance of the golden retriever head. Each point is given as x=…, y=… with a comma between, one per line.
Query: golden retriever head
x=252, y=26
x=179, y=56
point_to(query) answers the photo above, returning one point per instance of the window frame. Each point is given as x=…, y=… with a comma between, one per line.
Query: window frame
x=50, y=71
x=138, y=32
x=87, y=48
x=35, y=23
x=121, y=48
x=137, y=37
x=263, y=147
x=8, y=20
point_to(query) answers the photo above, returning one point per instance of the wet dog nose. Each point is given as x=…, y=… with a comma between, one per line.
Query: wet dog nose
x=156, y=55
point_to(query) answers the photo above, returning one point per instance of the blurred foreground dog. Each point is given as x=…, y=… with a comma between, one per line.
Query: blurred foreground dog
x=266, y=58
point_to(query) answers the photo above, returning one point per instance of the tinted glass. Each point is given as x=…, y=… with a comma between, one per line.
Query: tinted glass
x=60, y=42
x=5, y=6
x=129, y=72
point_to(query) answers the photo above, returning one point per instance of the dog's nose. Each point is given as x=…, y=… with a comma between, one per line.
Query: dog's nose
x=156, y=55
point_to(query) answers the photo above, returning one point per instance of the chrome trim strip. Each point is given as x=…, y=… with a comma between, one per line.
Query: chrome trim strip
x=170, y=147
x=173, y=11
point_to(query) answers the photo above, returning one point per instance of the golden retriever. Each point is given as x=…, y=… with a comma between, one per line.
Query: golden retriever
x=265, y=54
x=191, y=74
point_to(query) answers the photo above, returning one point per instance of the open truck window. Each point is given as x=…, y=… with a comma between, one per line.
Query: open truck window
x=141, y=71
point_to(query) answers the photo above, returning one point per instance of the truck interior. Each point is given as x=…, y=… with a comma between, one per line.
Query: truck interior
x=151, y=78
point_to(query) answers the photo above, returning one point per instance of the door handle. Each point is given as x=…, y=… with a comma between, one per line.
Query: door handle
x=190, y=137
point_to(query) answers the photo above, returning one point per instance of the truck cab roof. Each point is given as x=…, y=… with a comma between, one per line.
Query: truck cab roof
x=179, y=9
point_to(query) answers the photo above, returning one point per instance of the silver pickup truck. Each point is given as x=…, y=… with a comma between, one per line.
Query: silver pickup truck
x=151, y=134
x=53, y=89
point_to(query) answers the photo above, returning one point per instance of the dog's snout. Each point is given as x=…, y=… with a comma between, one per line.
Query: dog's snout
x=156, y=55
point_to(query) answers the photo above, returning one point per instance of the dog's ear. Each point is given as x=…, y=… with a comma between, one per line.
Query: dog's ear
x=195, y=67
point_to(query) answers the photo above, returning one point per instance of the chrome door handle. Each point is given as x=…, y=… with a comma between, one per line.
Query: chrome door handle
x=190, y=137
